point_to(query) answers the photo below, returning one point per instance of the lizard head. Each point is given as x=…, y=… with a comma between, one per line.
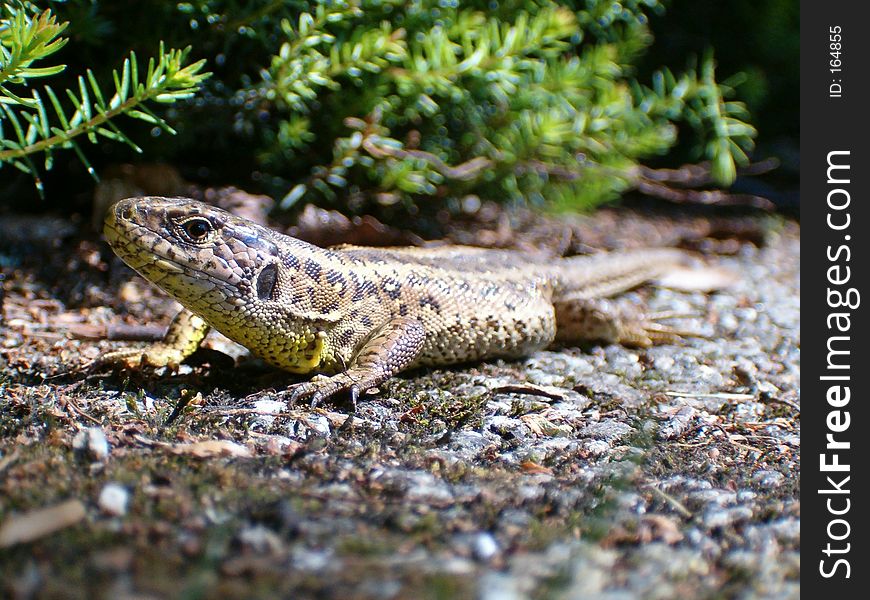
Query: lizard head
x=267, y=291
x=187, y=248
x=262, y=289
x=238, y=275
x=201, y=255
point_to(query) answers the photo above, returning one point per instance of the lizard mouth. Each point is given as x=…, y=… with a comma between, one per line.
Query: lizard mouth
x=124, y=236
x=133, y=241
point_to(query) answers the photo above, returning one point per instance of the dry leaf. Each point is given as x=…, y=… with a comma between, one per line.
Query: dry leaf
x=661, y=527
x=212, y=449
x=532, y=467
x=540, y=425
x=35, y=524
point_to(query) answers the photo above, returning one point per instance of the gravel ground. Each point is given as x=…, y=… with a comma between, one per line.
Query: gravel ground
x=600, y=472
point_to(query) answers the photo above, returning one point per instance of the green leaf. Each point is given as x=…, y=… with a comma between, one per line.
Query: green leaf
x=14, y=99
x=57, y=108
x=98, y=94
x=143, y=116
x=40, y=72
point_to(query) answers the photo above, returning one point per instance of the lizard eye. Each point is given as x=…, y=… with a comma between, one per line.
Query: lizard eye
x=197, y=229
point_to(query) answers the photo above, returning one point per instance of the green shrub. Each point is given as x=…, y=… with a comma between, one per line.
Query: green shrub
x=410, y=105
x=535, y=101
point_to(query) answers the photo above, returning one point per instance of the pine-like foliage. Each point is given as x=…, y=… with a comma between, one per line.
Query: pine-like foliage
x=394, y=105
x=26, y=127
x=397, y=102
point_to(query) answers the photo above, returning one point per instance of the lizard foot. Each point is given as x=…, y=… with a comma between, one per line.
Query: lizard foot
x=131, y=359
x=320, y=388
x=643, y=334
x=604, y=321
x=646, y=330
x=183, y=337
x=154, y=356
x=389, y=350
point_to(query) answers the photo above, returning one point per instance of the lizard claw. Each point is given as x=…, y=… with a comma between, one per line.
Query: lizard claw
x=315, y=390
x=354, y=395
x=319, y=389
x=316, y=397
x=297, y=392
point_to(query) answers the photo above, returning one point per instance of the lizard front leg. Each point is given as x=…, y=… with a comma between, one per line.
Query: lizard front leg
x=183, y=337
x=392, y=348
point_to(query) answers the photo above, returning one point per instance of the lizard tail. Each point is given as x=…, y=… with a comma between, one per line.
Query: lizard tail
x=604, y=275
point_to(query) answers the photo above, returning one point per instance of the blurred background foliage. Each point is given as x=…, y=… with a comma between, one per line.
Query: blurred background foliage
x=399, y=107
x=758, y=44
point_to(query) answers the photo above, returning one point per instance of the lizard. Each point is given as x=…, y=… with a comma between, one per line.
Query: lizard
x=354, y=316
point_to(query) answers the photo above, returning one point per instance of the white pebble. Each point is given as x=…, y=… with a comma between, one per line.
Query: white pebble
x=93, y=441
x=113, y=499
x=485, y=546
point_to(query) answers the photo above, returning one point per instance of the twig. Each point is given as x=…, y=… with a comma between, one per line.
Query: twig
x=69, y=401
x=528, y=388
x=784, y=401
x=707, y=197
x=118, y=332
x=676, y=504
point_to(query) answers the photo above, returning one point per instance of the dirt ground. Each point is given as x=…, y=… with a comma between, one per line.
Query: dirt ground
x=600, y=472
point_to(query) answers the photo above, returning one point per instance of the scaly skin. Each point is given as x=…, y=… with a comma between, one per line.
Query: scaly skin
x=363, y=314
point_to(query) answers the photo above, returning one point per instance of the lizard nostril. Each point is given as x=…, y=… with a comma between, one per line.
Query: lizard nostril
x=124, y=211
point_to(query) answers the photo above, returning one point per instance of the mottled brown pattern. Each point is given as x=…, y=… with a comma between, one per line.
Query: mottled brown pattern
x=363, y=314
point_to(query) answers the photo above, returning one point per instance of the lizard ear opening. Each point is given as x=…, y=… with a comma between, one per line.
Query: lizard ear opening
x=266, y=281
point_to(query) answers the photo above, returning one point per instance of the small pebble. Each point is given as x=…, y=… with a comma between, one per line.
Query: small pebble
x=485, y=546
x=261, y=539
x=768, y=479
x=93, y=442
x=113, y=499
